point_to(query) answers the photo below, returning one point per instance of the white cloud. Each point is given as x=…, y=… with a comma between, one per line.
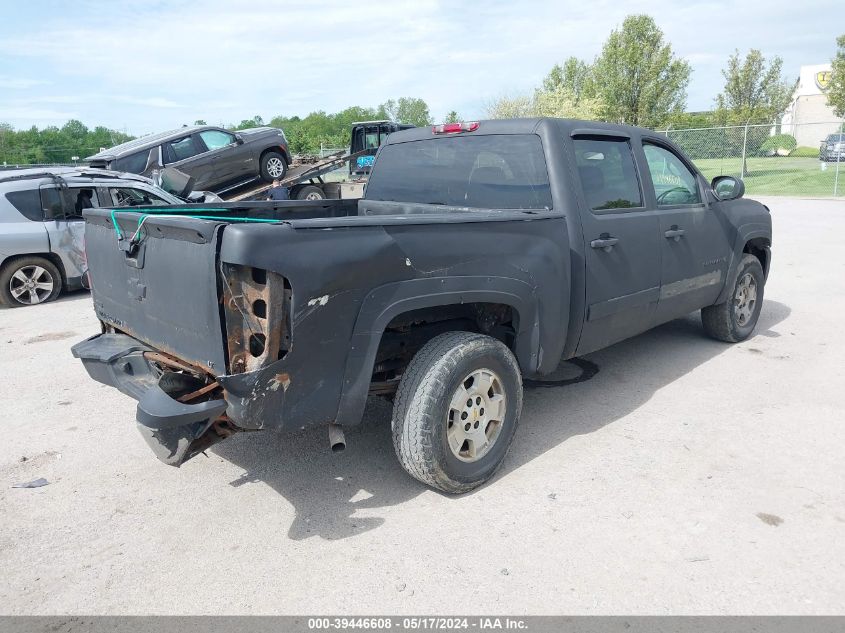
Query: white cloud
x=44, y=116
x=19, y=83
x=216, y=61
x=148, y=102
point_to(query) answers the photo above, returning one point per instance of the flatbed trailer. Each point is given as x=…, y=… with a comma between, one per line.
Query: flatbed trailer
x=305, y=181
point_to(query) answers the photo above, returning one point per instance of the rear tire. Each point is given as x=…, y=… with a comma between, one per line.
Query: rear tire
x=310, y=192
x=735, y=319
x=273, y=165
x=456, y=410
x=29, y=281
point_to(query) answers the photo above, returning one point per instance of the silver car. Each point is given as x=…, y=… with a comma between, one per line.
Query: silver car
x=41, y=227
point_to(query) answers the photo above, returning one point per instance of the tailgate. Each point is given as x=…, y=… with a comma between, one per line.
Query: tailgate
x=163, y=291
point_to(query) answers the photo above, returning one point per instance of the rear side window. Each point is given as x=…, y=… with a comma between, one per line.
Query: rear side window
x=487, y=172
x=27, y=202
x=134, y=163
x=180, y=149
x=608, y=175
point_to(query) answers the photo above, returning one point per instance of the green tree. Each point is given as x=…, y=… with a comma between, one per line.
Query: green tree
x=510, y=107
x=561, y=102
x=53, y=144
x=836, y=89
x=575, y=76
x=452, y=117
x=637, y=76
x=256, y=121
x=200, y=122
x=409, y=110
x=556, y=102
x=755, y=91
x=689, y=120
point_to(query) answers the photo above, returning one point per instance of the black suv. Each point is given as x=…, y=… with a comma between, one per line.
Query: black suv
x=833, y=148
x=216, y=158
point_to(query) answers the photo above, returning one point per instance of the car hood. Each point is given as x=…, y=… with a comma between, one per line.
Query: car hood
x=257, y=132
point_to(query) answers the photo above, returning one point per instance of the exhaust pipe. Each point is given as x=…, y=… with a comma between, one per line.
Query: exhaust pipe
x=336, y=438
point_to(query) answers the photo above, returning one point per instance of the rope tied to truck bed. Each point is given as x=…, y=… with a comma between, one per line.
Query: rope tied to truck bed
x=138, y=236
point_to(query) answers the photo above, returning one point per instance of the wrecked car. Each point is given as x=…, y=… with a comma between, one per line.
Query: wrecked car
x=481, y=253
x=41, y=227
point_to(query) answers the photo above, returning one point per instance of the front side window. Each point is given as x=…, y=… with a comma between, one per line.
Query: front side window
x=180, y=149
x=130, y=197
x=493, y=171
x=134, y=163
x=673, y=182
x=215, y=139
x=608, y=174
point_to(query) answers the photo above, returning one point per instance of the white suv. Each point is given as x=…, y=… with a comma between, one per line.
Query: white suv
x=41, y=227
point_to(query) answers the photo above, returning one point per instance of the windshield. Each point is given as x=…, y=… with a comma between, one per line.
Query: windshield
x=488, y=172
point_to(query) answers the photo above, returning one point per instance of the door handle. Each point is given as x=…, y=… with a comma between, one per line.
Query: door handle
x=605, y=241
x=674, y=233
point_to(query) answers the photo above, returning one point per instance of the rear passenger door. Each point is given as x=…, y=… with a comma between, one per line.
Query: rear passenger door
x=695, y=237
x=188, y=154
x=622, y=248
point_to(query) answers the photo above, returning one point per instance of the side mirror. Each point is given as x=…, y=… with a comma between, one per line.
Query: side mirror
x=239, y=140
x=728, y=187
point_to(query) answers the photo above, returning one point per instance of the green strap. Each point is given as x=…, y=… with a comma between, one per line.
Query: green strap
x=188, y=212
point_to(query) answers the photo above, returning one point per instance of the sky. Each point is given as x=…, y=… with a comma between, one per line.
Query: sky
x=146, y=66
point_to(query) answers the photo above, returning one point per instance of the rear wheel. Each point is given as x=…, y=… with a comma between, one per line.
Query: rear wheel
x=273, y=165
x=310, y=192
x=456, y=410
x=735, y=319
x=29, y=281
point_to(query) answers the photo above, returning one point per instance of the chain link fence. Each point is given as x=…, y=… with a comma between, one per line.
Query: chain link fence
x=328, y=151
x=801, y=159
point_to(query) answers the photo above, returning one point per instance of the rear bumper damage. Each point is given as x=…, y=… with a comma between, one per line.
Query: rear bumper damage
x=175, y=430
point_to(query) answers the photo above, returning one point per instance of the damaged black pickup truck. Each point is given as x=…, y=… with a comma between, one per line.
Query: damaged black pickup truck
x=481, y=253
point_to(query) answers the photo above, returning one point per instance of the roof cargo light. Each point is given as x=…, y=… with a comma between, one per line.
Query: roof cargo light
x=454, y=128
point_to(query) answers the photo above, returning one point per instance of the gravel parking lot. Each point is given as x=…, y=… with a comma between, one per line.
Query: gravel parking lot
x=687, y=476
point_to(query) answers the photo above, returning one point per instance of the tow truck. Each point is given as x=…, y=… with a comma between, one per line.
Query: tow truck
x=305, y=178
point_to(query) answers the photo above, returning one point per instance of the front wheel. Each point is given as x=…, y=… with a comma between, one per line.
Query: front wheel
x=273, y=166
x=735, y=319
x=456, y=410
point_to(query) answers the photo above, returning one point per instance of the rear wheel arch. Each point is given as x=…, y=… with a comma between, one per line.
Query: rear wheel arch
x=372, y=324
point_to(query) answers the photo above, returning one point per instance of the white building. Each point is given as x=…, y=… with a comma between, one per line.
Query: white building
x=809, y=118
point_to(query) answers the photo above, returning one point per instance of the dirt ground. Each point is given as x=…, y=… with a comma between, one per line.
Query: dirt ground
x=686, y=476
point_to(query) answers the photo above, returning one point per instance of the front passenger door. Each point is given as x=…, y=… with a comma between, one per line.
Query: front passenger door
x=622, y=255
x=695, y=238
x=230, y=161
